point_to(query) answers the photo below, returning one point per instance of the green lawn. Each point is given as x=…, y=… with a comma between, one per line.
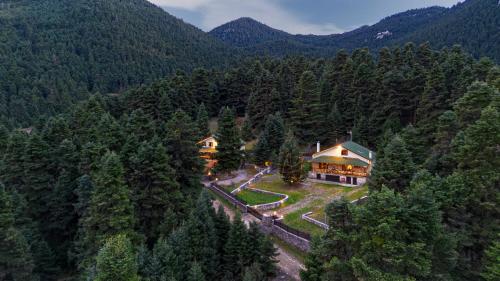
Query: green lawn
x=275, y=184
x=257, y=198
x=294, y=219
x=357, y=193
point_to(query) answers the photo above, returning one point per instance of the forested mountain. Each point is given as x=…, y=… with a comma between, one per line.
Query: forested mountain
x=473, y=24
x=55, y=52
x=118, y=176
x=245, y=32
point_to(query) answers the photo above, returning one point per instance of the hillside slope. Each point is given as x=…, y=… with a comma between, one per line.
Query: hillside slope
x=473, y=24
x=53, y=52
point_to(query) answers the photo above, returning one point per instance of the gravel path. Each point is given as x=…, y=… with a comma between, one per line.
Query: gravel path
x=289, y=266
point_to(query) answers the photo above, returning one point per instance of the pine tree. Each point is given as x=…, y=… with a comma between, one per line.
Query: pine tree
x=202, y=122
x=222, y=226
x=260, y=103
x=246, y=130
x=38, y=181
x=11, y=166
x=110, y=210
x=229, y=143
x=4, y=139
x=491, y=270
x=334, y=127
x=180, y=142
x=162, y=263
x=306, y=114
x=116, y=260
x=270, y=140
x=234, y=249
x=290, y=161
x=478, y=173
x=468, y=108
x=394, y=168
x=195, y=273
x=16, y=262
x=154, y=189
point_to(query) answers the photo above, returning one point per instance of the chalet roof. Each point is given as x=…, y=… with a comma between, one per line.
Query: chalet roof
x=358, y=149
x=207, y=138
x=340, y=161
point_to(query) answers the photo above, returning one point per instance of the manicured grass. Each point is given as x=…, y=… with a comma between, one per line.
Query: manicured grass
x=294, y=219
x=256, y=198
x=275, y=184
x=228, y=188
x=357, y=193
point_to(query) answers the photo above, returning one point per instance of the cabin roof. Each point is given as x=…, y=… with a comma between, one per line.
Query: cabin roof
x=358, y=149
x=340, y=161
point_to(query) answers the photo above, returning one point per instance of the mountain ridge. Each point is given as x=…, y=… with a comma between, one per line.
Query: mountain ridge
x=442, y=27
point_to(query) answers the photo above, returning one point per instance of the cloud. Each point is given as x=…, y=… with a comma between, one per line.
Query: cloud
x=217, y=12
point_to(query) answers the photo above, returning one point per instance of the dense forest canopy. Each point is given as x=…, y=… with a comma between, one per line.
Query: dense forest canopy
x=123, y=170
x=53, y=53
x=108, y=186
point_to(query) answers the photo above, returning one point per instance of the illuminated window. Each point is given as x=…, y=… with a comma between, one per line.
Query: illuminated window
x=345, y=152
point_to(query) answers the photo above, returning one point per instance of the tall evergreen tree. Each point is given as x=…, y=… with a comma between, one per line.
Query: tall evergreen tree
x=154, y=189
x=180, y=142
x=290, y=161
x=116, y=260
x=110, y=208
x=228, y=154
x=202, y=121
x=16, y=262
x=394, y=168
x=306, y=113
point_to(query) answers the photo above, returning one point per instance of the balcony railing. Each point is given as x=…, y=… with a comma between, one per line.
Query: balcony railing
x=340, y=172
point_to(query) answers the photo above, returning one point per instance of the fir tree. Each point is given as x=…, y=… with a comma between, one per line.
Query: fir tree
x=116, y=260
x=180, y=142
x=202, y=121
x=468, y=108
x=16, y=262
x=110, y=208
x=491, y=270
x=154, y=189
x=394, y=168
x=306, y=113
x=229, y=143
x=195, y=273
x=290, y=161
x=246, y=130
x=234, y=249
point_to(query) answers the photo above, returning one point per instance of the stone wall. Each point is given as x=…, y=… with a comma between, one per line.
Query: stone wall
x=316, y=222
x=269, y=206
x=269, y=227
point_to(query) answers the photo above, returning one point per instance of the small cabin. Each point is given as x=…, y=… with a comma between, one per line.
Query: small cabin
x=208, y=148
x=347, y=163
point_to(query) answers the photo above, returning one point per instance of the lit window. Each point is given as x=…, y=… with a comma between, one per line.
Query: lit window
x=345, y=152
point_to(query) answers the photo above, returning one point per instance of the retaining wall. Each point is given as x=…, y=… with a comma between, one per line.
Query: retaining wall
x=316, y=222
x=269, y=227
x=269, y=206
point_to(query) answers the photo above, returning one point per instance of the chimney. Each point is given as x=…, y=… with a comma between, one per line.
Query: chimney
x=318, y=147
x=370, y=155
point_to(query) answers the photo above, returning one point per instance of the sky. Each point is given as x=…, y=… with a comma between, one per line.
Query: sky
x=294, y=16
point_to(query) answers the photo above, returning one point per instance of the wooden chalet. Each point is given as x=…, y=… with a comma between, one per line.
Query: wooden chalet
x=347, y=163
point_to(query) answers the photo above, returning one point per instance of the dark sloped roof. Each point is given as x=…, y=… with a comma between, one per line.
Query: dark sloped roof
x=340, y=161
x=358, y=149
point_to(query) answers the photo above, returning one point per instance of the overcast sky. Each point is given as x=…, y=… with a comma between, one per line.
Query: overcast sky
x=294, y=16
